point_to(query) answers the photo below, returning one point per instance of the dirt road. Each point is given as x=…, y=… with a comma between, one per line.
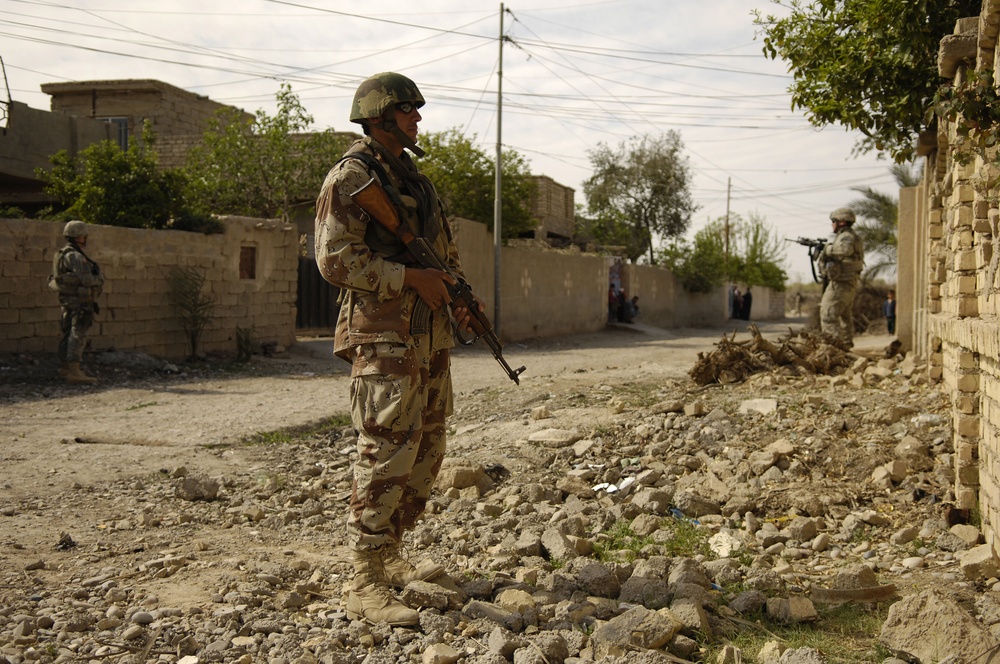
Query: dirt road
x=139, y=421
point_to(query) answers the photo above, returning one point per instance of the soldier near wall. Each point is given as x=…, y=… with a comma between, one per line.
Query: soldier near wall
x=79, y=282
x=840, y=265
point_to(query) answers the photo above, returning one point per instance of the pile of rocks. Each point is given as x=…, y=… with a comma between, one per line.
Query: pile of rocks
x=561, y=519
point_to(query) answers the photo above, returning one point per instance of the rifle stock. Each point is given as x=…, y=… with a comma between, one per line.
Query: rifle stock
x=376, y=204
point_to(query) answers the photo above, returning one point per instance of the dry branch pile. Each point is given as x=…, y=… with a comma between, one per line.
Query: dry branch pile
x=801, y=352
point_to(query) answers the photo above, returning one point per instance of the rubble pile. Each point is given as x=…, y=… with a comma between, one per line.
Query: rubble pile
x=799, y=353
x=561, y=520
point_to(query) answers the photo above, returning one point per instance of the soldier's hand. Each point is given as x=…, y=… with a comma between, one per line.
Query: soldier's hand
x=464, y=317
x=431, y=285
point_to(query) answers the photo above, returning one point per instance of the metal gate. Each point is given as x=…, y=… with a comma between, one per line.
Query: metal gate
x=316, y=308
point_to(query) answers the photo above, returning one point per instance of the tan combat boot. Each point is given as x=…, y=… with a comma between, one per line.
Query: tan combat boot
x=64, y=369
x=369, y=597
x=75, y=376
x=399, y=571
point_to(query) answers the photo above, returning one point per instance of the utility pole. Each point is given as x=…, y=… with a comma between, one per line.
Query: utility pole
x=497, y=189
x=729, y=189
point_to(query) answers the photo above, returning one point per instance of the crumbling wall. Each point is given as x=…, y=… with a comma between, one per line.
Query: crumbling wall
x=955, y=317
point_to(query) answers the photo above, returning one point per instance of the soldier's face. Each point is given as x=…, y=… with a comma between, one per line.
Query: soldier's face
x=407, y=118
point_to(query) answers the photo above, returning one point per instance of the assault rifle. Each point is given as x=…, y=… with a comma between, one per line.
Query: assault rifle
x=375, y=202
x=815, y=252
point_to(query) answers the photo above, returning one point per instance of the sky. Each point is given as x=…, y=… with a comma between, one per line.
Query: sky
x=573, y=74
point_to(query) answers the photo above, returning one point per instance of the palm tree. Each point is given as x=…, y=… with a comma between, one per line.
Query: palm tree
x=880, y=214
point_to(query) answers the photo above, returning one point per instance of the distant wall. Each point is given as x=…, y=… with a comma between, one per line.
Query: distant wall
x=135, y=309
x=33, y=136
x=550, y=293
x=543, y=293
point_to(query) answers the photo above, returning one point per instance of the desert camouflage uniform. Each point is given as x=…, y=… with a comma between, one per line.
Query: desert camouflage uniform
x=401, y=377
x=841, y=263
x=79, y=287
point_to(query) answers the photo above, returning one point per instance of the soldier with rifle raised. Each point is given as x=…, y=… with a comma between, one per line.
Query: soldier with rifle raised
x=837, y=265
x=841, y=262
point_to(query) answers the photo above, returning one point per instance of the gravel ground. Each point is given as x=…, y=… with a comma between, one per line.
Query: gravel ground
x=144, y=519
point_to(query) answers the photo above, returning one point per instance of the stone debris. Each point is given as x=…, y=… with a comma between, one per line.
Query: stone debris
x=560, y=543
x=954, y=632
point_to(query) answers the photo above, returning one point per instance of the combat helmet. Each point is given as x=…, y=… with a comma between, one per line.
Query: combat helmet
x=75, y=229
x=843, y=214
x=380, y=93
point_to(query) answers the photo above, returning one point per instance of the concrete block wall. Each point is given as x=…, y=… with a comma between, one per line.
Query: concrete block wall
x=136, y=314
x=550, y=293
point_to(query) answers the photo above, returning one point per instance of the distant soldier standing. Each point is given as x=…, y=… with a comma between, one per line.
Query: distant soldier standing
x=841, y=263
x=79, y=282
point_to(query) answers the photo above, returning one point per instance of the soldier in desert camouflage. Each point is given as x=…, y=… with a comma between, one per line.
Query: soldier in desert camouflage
x=396, y=330
x=840, y=264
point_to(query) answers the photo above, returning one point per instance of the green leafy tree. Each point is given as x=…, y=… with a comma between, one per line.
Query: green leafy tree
x=756, y=256
x=608, y=230
x=465, y=178
x=639, y=190
x=700, y=265
x=104, y=184
x=758, y=253
x=868, y=65
x=880, y=221
x=262, y=167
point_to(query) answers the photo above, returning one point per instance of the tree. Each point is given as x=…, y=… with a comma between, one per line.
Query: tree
x=639, y=190
x=880, y=213
x=700, y=265
x=868, y=65
x=758, y=253
x=465, y=178
x=756, y=256
x=262, y=167
x=104, y=184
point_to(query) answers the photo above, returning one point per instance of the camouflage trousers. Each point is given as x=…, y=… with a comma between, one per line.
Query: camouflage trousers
x=75, y=324
x=400, y=397
x=836, y=310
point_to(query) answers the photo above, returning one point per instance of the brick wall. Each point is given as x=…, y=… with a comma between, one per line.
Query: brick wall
x=949, y=232
x=553, y=207
x=136, y=314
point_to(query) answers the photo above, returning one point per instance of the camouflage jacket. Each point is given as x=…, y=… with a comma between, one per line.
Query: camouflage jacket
x=367, y=261
x=75, y=277
x=844, y=258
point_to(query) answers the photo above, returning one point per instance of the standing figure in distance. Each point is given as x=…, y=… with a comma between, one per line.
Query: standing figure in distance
x=79, y=282
x=841, y=263
x=612, y=303
x=395, y=329
x=747, y=303
x=889, y=310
